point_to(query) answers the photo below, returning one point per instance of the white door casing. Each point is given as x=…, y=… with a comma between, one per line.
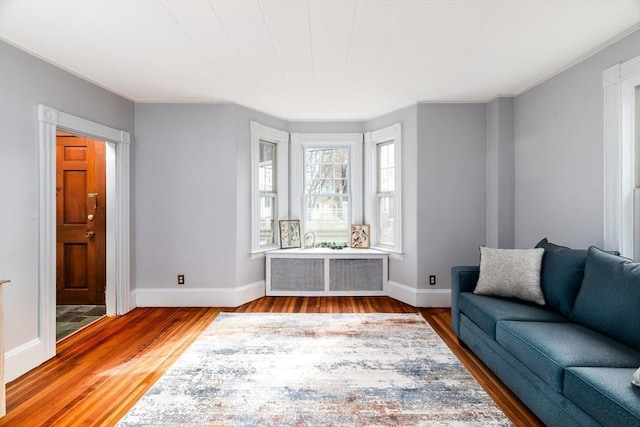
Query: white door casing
x=619, y=83
x=118, y=216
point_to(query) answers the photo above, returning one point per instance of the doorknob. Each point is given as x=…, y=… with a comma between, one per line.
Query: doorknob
x=90, y=234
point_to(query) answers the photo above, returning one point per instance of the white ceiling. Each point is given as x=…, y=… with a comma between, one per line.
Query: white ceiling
x=315, y=59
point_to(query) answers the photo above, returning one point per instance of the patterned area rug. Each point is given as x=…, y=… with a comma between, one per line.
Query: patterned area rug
x=316, y=370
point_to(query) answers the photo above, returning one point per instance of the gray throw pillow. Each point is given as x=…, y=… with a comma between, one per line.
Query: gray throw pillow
x=511, y=273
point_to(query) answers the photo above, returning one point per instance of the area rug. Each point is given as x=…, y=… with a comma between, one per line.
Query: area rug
x=316, y=370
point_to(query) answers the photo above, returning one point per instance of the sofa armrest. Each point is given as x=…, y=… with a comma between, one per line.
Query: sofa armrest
x=463, y=279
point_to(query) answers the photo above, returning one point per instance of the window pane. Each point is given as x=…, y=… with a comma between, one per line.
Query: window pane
x=267, y=220
x=386, y=221
x=386, y=172
x=266, y=167
x=327, y=217
x=326, y=188
x=326, y=170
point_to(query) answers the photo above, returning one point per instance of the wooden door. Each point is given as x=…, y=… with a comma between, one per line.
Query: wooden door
x=81, y=220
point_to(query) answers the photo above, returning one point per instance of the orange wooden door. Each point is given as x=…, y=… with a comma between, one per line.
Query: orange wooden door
x=81, y=220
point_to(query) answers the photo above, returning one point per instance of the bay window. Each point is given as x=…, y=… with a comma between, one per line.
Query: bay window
x=336, y=180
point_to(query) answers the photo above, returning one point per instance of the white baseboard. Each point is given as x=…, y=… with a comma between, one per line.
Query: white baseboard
x=22, y=359
x=235, y=297
x=402, y=293
x=419, y=297
x=192, y=297
x=250, y=292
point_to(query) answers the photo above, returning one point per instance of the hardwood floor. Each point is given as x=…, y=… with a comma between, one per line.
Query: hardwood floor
x=101, y=371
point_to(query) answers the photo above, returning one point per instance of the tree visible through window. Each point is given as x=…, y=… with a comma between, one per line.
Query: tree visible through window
x=326, y=192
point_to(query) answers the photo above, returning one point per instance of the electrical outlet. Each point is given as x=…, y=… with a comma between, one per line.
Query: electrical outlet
x=432, y=280
x=180, y=279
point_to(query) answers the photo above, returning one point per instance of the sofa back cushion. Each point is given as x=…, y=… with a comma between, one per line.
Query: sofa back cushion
x=561, y=275
x=609, y=298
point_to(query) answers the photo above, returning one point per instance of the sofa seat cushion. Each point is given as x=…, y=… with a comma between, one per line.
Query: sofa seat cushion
x=548, y=348
x=604, y=393
x=485, y=311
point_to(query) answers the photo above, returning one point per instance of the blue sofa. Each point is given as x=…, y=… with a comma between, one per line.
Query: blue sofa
x=572, y=360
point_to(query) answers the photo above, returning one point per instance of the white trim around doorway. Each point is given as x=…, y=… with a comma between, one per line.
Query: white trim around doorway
x=118, y=216
x=619, y=83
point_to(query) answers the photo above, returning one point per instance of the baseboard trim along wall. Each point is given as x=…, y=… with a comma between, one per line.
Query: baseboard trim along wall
x=198, y=297
x=22, y=359
x=235, y=297
x=419, y=297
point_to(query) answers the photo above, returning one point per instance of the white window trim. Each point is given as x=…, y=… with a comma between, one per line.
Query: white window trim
x=393, y=132
x=260, y=132
x=301, y=140
x=619, y=83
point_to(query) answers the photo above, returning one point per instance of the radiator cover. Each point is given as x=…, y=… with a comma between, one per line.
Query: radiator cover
x=305, y=272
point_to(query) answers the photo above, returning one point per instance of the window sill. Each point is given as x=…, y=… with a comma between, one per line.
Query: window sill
x=261, y=254
x=396, y=256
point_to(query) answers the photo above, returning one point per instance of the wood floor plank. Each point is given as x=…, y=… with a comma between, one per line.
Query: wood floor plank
x=100, y=372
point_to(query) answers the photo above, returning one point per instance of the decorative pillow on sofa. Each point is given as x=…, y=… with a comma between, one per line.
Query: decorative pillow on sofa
x=609, y=298
x=511, y=273
x=561, y=275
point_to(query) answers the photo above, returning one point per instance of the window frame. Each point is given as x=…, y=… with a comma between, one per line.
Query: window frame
x=260, y=132
x=300, y=141
x=372, y=140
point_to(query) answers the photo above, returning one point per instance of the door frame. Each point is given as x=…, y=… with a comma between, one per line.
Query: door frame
x=118, y=263
x=619, y=82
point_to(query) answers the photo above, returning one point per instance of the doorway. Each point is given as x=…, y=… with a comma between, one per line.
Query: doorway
x=621, y=167
x=118, y=293
x=81, y=232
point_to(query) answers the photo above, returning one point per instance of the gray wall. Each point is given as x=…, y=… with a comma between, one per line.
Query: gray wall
x=500, y=173
x=25, y=82
x=451, y=188
x=248, y=271
x=559, y=172
x=200, y=156
x=185, y=195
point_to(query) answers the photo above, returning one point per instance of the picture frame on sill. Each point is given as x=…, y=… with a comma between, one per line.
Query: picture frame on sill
x=289, y=233
x=309, y=240
x=360, y=236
